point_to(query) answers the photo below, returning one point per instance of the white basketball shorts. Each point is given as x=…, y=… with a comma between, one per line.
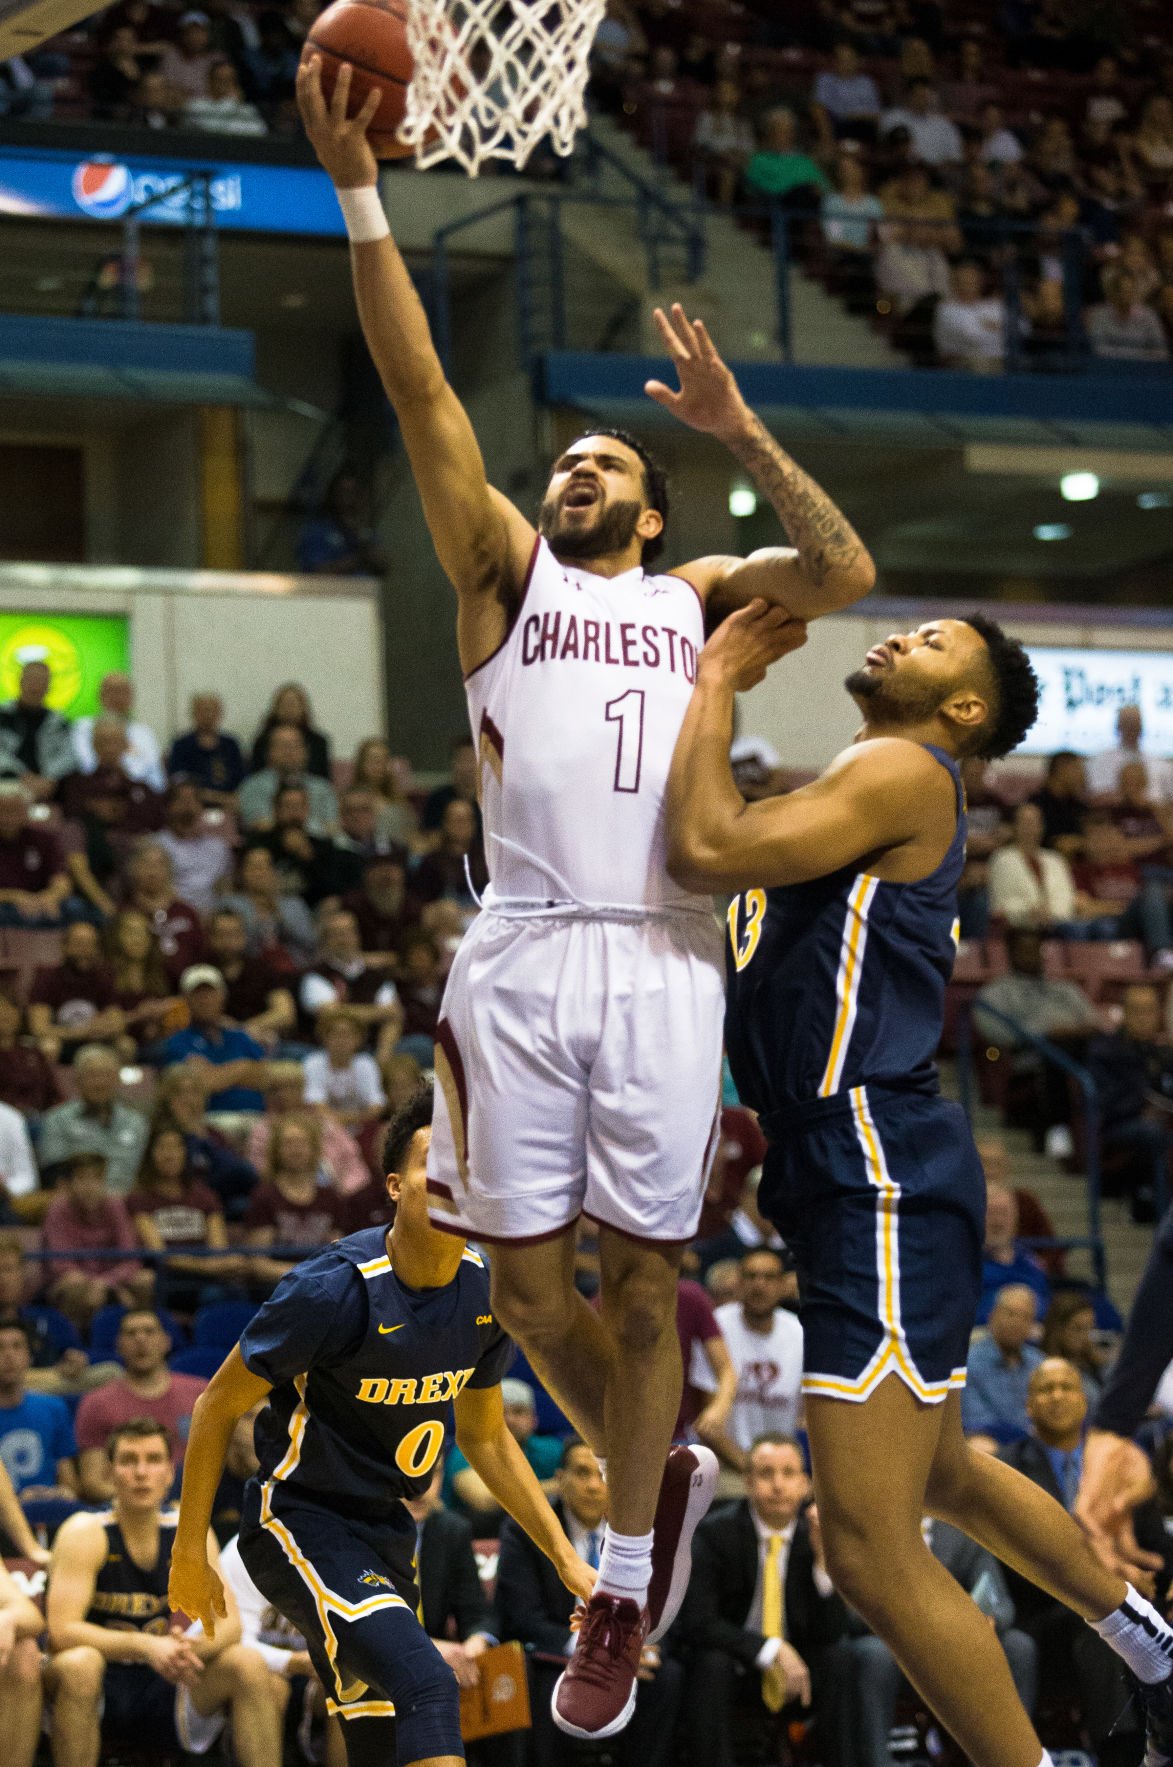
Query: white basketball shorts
x=578, y=1069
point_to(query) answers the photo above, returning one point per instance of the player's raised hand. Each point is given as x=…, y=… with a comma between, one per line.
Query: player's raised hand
x=194, y=1589
x=744, y=646
x=708, y=398
x=339, y=141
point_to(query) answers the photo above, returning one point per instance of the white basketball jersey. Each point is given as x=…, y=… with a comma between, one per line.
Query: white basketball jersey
x=576, y=717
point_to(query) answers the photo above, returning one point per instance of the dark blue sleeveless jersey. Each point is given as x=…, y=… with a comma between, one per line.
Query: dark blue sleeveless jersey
x=840, y=982
x=129, y=1597
x=364, y=1371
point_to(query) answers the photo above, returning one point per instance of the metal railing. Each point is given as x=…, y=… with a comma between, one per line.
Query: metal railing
x=201, y=281
x=1093, y=1241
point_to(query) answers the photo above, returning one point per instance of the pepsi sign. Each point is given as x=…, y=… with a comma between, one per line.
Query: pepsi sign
x=256, y=198
x=105, y=190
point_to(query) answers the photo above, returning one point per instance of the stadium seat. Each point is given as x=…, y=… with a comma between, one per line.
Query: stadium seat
x=551, y=1421
x=218, y=1326
x=198, y=1359
x=1106, y=969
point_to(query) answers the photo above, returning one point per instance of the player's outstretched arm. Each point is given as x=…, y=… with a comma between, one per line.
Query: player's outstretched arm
x=868, y=801
x=490, y=1449
x=482, y=541
x=194, y=1588
x=829, y=566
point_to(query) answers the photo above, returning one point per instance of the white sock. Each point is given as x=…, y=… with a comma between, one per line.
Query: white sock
x=1136, y=1632
x=626, y=1566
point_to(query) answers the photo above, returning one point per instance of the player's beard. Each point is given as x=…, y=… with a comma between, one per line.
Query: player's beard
x=612, y=530
x=884, y=698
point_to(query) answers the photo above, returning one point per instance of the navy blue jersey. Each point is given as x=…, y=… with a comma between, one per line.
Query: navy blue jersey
x=840, y=982
x=128, y=1597
x=364, y=1371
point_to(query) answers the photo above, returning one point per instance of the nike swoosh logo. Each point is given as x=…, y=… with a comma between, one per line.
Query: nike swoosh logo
x=386, y=1330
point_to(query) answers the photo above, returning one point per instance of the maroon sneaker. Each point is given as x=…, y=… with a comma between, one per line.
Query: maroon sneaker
x=595, y=1694
x=688, y=1488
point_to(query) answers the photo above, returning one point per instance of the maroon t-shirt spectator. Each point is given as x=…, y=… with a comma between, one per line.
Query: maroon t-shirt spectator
x=27, y=1081
x=124, y=805
x=248, y=994
x=296, y=1224
x=30, y=861
x=67, y=1230
x=1118, y=882
x=73, y=995
x=368, y=1207
x=696, y=1323
x=379, y=931
x=421, y=1008
x=102, y=1411
x=742, y=1147
x=179, y=1221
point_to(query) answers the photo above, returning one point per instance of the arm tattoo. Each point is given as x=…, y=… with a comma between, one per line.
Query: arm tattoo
x=827, y=543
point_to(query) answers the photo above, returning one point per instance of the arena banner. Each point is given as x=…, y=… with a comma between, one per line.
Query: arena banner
x=50, y=184
x=79, y=649
x=1082, y=690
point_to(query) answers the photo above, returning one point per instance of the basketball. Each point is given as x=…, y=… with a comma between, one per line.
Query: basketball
x=372, y=36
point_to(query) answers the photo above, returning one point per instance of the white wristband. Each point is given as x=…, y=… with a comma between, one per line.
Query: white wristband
x=363, y=213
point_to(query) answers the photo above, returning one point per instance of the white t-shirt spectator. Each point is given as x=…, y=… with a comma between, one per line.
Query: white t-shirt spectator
x=225, y=116
x=1003, y=148
x=717, y=132
x=142, y=760
x=850, y=221
x=935, y=140
x=844, y=96
x=1135, y=336
x=354, y=1088
x=1103, y=773
x=769, y=1373
x=970, y=331
x=1023, y=893
x=199, y=863
x=18, y=1168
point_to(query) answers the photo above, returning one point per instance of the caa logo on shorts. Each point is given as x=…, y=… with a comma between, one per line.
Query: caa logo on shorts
x=102, y=190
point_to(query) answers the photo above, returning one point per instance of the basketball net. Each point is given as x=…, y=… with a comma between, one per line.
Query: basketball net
x=492, y=78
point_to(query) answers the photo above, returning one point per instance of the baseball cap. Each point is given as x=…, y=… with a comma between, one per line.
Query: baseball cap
x=756, y=750
x=200, y=975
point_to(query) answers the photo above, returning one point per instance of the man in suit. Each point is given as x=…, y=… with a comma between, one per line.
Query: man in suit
x=535, y=1607
x=1072, y=1657
x=877, y=1679
x=761, y=1617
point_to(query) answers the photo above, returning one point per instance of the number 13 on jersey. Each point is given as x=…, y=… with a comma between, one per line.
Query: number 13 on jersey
x=745, y=917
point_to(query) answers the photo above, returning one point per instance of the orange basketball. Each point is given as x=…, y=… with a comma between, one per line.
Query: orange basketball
x=372, y=36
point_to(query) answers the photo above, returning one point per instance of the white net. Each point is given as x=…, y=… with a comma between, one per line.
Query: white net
x=492, y=78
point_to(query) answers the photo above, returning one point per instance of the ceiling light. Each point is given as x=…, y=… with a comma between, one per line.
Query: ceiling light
x=1079, y=487
x=1155, y=500
x=1053, y=531
x=743, y=500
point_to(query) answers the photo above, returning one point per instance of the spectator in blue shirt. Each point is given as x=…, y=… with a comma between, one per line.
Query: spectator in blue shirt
x=37, y=1443
x=207, y=755
x=210, y=1041
x=993, y=1400
x=1004, y=1260
x=59, y=1364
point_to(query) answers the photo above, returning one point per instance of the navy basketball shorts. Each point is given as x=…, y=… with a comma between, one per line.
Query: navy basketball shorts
x=881, y=1198
x=137, y=1703
x=348, y=1585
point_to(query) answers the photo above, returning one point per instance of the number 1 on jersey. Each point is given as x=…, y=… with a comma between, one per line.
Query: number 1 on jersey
x=628, y=712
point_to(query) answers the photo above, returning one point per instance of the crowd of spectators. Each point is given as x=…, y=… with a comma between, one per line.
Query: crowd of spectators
x=225, y=961
x=988, y=185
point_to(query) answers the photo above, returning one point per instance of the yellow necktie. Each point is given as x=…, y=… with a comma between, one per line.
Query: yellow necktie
x=773, y=1624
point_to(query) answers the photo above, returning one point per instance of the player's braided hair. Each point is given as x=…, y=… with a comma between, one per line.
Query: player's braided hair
x=655, y=483
x=1015, y=699
x=405, y=1125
